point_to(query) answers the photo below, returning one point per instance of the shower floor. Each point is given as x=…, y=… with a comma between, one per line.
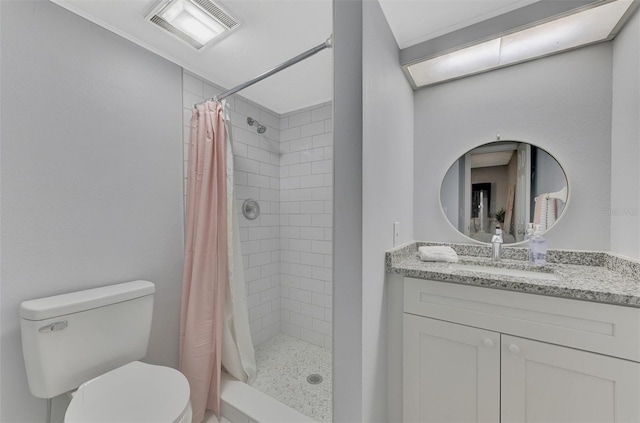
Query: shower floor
x=284, y=363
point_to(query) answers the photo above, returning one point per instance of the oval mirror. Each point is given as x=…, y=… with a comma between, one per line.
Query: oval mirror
x=504, y=184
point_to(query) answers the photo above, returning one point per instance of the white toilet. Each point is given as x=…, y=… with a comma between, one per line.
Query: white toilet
x=90, y=341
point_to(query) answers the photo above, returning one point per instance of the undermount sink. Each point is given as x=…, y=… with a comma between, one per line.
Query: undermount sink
x=531, y=274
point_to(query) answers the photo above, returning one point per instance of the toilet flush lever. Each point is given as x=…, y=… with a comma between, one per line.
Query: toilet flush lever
x=54, y=326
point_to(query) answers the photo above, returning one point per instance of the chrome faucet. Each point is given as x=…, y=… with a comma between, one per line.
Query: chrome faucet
x=496, y=242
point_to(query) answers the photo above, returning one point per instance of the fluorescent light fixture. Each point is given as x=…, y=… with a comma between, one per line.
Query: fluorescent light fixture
x=561, y=34
x=197, y=22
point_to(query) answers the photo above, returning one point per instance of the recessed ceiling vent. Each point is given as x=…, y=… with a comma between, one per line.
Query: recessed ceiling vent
x=196, y=22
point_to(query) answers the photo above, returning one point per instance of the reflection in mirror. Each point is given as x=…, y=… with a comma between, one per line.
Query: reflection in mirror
x=504, y=184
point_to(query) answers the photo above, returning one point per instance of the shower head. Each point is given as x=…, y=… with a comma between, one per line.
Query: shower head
x=260, y=128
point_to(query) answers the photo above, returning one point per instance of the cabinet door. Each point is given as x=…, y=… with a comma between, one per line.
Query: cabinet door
x=451, y=372
x=545, y=383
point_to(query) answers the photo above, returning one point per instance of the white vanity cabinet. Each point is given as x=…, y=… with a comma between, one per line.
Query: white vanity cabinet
x=472, y=354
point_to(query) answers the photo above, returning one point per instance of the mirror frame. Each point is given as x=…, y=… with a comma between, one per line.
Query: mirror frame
x=518, y=243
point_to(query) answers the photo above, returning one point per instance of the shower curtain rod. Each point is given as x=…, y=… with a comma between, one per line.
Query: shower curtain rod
x=282, y=66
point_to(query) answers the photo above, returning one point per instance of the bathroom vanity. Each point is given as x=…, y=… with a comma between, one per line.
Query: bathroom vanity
x=480, y=342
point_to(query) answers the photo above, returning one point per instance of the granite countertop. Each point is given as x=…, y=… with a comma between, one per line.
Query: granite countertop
x=590, y=276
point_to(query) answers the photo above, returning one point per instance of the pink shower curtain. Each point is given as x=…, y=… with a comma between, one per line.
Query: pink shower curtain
x=206, y=259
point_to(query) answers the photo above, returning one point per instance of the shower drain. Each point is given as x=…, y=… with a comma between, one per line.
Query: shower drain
x=314, y=379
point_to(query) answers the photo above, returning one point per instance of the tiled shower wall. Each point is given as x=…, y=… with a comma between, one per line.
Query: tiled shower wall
x=306, y=219
x=287, y=249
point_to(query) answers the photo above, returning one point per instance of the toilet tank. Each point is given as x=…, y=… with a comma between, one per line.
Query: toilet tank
x=71, y=338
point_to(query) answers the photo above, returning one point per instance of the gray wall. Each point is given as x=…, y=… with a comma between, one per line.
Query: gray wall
x=387, y=192
x=91, y=176
x=561, y=103
x=625, y=142
x=347, y=218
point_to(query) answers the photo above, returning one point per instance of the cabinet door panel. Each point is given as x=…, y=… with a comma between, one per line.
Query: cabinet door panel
x=451, y=372
x=545, y=383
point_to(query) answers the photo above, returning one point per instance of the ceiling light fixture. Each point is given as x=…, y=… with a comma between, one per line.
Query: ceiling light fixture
x=595, y=24
x=196, y=22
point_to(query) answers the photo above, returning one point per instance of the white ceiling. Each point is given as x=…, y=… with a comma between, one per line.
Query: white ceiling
x=276, y=30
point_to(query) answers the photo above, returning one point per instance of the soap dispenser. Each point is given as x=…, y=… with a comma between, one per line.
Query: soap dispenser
x=496, y=241
x=538, y=247
x=527, y=237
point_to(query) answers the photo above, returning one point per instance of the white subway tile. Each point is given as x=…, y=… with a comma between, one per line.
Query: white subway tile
x=302, y=320
x=322, y=220
x=268, y=194
x=290, y=232
x=246, y=109
x=328, y=152
x=259, y=311
x=312, y=129
x=189, y=99
x=284, y=123
x=290, y=329
x=290, y=281
x=299, y=244
x=323, y=140
x=311, y=310
x=259, y=285
x=258, y=154
x=193, y=84
x=322, y=273
x=269, y=170
x=323, y=166
x=244, y=192
x=328, y=234
x=311, y=206
x=259, y=259
x=321, y=300
x=290, y=256
x=300, y=169
x=328, y=126
x=302, y=194
x=300, y=270
x=322, y=247
x=246, y=137
x=312, y=234
x=322, y=113
x=312, y=337
x=259, y=181
x=289, y=134
x=246, y=165
x=211, y=91
x=300, y=220
x=324, y=193
x=301, y=144
x=290, y=158
x=322, y=327
x=299, y=119
x=259, y=233
x=290, y=183
x=290, y=206
x=270, y=270
x=312, y=155
x=311, y=181
x=312, y=259
x=240, y=149
x=312, y=285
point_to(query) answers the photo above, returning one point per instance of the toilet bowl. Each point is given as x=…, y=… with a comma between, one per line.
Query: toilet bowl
x=136, y=392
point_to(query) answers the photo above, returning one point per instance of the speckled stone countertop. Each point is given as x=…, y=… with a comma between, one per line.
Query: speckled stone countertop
x=589, y=276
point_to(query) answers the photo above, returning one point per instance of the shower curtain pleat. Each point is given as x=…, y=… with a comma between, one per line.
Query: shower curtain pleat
x=206, y=259
x=238, y=356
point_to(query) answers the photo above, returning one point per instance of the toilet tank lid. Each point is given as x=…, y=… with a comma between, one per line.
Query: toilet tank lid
x=74, y=302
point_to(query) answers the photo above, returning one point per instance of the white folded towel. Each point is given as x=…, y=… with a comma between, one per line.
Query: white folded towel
x=437, y=253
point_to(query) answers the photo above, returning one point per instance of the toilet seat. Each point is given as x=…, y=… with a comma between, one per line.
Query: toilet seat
x=136, y=393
